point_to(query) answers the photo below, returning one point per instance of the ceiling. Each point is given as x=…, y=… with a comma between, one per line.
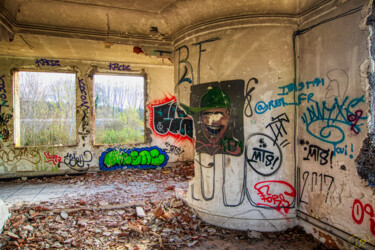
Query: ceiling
x=32, y=26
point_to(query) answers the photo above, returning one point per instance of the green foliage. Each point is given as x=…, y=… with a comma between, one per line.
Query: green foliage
x=127, y=128
x=47, y=109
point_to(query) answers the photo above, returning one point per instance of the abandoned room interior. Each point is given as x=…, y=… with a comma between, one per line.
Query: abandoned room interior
x=254, y=116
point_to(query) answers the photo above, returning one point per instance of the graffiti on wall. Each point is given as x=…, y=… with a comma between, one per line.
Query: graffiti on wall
x=278, y=129
x=332, y=117
x=321, y=183
x=248, y=110
x=118, y=67
x=5, y=126
x=82, y=89
x=3, y=96
x=77, y=162
x=14, y=156
x=173, y=149
x=54, y=159
x=83, y=130
x=187, y=75
x=359, y=211
x=167, y=119
x=262, y=107
x=317, y=153
x=219, y=125
x=143, y=158
x=262, y=154
x=46, y=62
x=275, y=194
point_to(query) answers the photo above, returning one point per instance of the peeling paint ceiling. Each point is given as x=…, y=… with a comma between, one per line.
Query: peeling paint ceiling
x=146, y=23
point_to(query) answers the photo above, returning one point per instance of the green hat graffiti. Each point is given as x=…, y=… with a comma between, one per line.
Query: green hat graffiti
x=213, y=98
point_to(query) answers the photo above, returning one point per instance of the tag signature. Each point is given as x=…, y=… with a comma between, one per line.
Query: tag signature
x=358, y=240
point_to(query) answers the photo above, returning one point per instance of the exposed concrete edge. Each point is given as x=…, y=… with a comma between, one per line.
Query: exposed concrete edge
x=115, y=37
x=329, y=10
x=350, y=240
x=234, y=22
x=4, y=215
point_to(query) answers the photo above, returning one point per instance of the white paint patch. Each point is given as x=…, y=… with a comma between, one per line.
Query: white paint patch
x=214, y=118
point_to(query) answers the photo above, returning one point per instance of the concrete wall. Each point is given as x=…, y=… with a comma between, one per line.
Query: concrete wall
x=278, y=146
x=28, y=161
x=228, y=79
x=332, y=124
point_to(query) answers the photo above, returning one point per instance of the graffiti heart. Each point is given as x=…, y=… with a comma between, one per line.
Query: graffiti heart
x=143, y=158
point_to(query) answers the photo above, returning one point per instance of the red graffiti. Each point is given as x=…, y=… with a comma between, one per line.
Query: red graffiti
x=275, y=194
x=358, y=214
x=167, y=119
x=52, y=158
x=354, y=120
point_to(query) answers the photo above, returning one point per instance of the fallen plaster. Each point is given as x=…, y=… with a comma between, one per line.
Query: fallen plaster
x=4, y=215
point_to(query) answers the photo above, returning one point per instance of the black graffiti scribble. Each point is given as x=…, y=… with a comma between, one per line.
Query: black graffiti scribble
x=172, y=149
x=318, y=154
x=45, y=62
x=4, y=127
x=248, y=109
x=278, y=128
x=168, y=117
x=314, y=181
x=84, y=122
x=77, y=162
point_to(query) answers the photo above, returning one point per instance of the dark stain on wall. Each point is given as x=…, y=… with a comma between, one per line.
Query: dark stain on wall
x=365, y=161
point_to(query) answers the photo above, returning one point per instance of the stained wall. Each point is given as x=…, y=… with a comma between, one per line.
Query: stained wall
x=168, y=145
x=228, y=80
x=332, y=125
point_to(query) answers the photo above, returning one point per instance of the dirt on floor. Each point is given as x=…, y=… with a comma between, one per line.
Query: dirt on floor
x=142, y=212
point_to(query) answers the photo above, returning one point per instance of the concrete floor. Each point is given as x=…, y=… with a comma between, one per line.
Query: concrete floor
x=12, y=193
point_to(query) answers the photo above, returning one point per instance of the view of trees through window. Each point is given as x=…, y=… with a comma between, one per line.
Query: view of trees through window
x=46, y=109
x=119, y=109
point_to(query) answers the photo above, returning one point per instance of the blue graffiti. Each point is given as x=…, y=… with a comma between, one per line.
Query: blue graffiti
x=323, y=120
x=82, y=88
x=45, y=62
x=141, y=158
x=116, y=66
x=261, y=106
x=3, y=96
x=289, y=88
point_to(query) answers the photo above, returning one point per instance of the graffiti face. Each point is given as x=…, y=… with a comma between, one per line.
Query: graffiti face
x=217, y=109
x=214, y=123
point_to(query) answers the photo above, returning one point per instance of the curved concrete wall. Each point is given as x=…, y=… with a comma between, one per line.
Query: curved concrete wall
x=228, y=78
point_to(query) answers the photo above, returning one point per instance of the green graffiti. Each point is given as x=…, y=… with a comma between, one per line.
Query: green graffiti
x=138, y=158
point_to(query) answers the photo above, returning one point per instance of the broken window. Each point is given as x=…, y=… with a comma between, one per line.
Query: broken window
x=119, y=109
x=44, y=105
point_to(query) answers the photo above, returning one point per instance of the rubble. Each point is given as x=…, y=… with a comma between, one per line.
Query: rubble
x=149, y=219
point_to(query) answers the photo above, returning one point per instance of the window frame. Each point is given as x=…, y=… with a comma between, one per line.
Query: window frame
x=16, y=103
x=146, y=132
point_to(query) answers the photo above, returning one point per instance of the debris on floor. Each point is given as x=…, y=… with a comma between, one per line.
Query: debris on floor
x=131, y=218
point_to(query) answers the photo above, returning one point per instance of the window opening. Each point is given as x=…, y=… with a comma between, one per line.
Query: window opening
x=119, y=109
x=45, y=108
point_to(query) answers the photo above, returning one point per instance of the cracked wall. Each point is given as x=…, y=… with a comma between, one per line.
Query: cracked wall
x=333, y=125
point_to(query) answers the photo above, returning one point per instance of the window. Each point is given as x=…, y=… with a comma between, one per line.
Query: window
x=119, y=109
x=44, y=108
